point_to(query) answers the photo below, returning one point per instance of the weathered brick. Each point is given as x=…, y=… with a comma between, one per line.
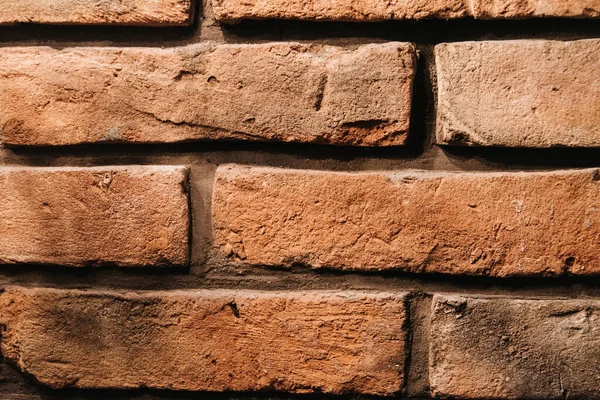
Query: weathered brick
x=108, y=12
x=284, y=92
x=514, y=349
x=212, y=340
x=379, y=10
x=525, y=93
x=125, y=216
x=519, y=9
x=339, y=10
x=499, y=224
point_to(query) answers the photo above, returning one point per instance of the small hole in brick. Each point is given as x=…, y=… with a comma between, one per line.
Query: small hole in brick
x=234, y=309
x=569, y=261
x=212, y=79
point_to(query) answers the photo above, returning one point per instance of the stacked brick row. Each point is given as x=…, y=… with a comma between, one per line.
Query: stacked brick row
x=302, y=341
x=520, y=94
x=180, y=12
x=506, y=93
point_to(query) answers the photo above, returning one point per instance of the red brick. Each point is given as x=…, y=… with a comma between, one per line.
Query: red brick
x=232, y=11
x=108, y=12
x=279, y=91
x=378, y=10
x=510, y=9
x=211, y=340
x=125, y=216
x=501, y=348
x=498, y=224
x=523, y=93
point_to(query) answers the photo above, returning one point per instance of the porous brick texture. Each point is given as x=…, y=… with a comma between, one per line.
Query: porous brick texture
x=514, y=349
x=525, y=93
x=499, y=224
x=299, y=199
x=287, y=92
x=379, y=10
x=210, y=340
x=104, y=12
x=125, y=216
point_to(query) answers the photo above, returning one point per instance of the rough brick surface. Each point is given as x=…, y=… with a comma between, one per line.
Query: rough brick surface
x=519, y=9
x=338, y=10
x=378, y=10
x=128, y=216
x=208, y=340
x=105, y=12
x=526, y=93
x=499, y=224
x=284, y=92
x=514, y=349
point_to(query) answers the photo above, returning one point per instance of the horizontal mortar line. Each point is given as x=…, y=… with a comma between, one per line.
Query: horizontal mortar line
x=313, y=158
x=469, y=169
x=361, y=33
x=553, y=290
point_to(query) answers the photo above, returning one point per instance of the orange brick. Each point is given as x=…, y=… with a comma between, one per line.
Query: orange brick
x=500, y=348
x=498, y=224
x=125, y=216
x=108, y=12
x=212, y=340
x=521, y=93
x=378, y=10
x=286, y=92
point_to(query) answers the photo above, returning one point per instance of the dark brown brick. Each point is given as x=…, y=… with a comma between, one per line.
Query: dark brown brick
x=500, y=348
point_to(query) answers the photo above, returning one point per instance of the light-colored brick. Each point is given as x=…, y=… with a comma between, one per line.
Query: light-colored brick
x=232, y=11
x=498, y=224
x=125, y=216
x=520, y=9
x=524, y=93
x=378, y=10
x=279, y=91
x=514, y=349
x=105, y=12
x=212, y=340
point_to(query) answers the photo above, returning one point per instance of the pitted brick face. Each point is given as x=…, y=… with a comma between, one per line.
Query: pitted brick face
x=521, y=93
x=287, y=92
x=233, y=11
x=277, y=199
x=106, y=12
x=209, y=340
x=504, y=348
x=494, y=224
x=134, y=216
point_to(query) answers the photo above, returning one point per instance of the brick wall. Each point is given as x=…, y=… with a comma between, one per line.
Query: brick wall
x=299, y=199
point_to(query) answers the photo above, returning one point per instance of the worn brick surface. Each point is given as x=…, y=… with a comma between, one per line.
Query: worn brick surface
x=338, y=10
x=282, y=92
x=371, y=11
x=128, y=216
x=208, y=339
x=525, y=93
x=499, y=224
x=514, y=349
x=511, y=9
x=105, y=12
